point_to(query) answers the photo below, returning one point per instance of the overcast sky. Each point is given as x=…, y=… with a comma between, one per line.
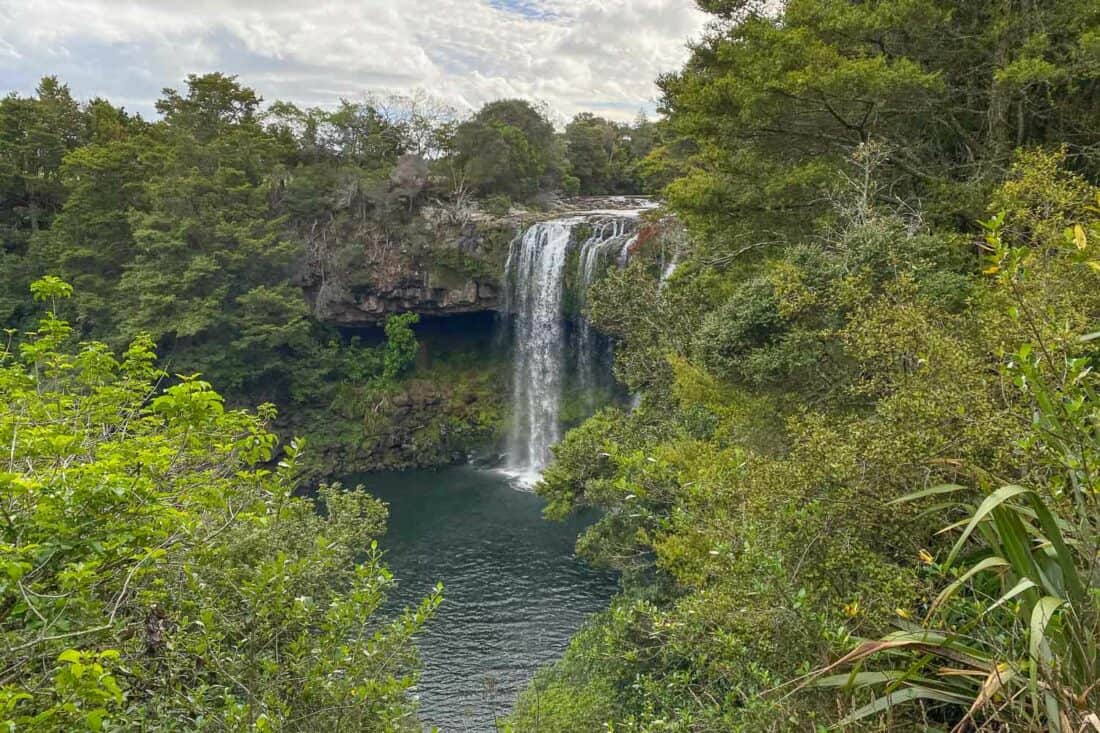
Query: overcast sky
x=577, y=55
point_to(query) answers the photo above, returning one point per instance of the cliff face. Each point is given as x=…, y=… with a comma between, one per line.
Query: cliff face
x=430, y=265
x=435, y=261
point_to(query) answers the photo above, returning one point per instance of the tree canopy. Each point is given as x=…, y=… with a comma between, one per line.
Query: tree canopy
x=858, y=489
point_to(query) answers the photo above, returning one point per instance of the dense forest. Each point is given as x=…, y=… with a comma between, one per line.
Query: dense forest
x=859, y=489
x=208, y=222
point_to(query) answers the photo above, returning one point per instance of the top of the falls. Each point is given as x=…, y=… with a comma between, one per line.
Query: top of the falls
x=618, y=206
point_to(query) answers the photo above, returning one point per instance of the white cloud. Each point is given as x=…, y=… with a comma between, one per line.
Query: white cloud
x=573, y=54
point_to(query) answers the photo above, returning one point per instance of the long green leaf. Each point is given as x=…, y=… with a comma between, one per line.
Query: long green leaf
x=860, y=679
x=1025, y=584
x=1041, y=616
x=938, y=508
x=986, y=564
x=908, y=694
x=895, y=640
x=1062, y=552
x=1012, y=539
x=933, y=491
x=994, y=500
x=1039, y=651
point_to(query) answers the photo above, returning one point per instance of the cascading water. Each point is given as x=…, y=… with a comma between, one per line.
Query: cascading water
x=535, y=275
x=670, y=270
x=627, y=248
x=607, y=236
x=535, y=268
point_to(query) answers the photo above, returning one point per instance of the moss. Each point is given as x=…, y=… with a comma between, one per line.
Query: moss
x=499, y=205
x=572, y=298
x=475, y=253
x=451, y=268
x=437, y=416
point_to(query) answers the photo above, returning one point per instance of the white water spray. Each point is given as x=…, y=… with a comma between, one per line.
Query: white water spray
x=534, y=273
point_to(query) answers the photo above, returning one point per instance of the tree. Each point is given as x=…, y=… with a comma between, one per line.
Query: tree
x=214, y=104
x=426, y=123
x=160, y=574
x=777, y=102
x=35, y=134
x=401, y=345
x=91, y=242
x=591, y=144
x=507, y=148
x=205, y=234
x=605, y=156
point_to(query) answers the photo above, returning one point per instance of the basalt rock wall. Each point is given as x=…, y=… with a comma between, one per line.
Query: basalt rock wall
x=435, y=262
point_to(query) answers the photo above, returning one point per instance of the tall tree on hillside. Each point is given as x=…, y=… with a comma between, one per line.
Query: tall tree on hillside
x=91, y=241
x=776, y=105
x=35, y=134
x=209, y=276
x=591, y=143
x=604, y=155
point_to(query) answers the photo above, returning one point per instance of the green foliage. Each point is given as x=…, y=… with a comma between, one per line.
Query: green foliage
x=507, y=148
x=1019, y=614
x=498, y=205
x=202, y=228
x=36, y=135
x=882, y=202
x=204, y=239
x=157, y=572
x=773, y=102
x=401, y=346
x=796, y=386
x=604, y=156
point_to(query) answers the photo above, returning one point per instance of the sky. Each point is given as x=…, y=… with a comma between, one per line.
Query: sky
x=599, y=56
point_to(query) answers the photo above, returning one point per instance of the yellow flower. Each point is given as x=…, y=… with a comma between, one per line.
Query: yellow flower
x=926, y=557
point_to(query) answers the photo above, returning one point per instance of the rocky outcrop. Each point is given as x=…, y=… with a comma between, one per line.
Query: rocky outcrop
x=438, y=419
x=420, y=296
x=439, y=262
x=431, y=265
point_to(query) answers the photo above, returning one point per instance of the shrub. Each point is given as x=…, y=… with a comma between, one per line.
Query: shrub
x=157, y=572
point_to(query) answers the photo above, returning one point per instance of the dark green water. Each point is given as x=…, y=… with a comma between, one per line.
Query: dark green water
x=513, y=591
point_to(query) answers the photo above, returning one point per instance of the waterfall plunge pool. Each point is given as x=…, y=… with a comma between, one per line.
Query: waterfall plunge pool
x=514, y=593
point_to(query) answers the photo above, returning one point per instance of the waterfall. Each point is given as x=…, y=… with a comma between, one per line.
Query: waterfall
x=534, y=273
x=624, y=253
x=535, y=276
x=607, y=236
x=670, y=270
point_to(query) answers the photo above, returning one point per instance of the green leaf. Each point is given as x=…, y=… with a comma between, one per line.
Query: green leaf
x=986, y=564
x=933, y=491
x=1024, y=585
x=860, y=679
x=1062, y=554
x=994, y=500
x=94, y=718
x=908, y=694
x=1041, y=616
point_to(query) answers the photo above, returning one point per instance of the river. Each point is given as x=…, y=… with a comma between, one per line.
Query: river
x=513, y=591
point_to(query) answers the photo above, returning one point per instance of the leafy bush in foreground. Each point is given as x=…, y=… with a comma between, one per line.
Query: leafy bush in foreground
x=1013, y=640
x=157, y=574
